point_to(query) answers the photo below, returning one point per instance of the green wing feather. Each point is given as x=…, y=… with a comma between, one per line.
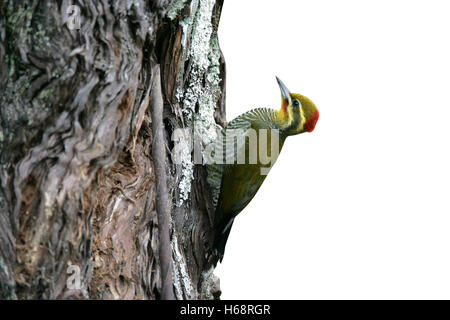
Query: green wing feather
x=234, y=185
x=257, y=119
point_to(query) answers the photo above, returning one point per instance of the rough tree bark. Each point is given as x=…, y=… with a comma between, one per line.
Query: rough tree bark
x=78, y=192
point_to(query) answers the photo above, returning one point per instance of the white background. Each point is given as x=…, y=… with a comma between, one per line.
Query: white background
x=360, y=207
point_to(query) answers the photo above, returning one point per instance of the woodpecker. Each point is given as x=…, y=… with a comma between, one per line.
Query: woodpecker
x=235, y=184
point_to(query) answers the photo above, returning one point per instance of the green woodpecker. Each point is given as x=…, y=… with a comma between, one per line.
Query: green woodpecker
x=235, y=184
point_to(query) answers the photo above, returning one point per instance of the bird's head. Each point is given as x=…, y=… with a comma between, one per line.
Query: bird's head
x=298, y=113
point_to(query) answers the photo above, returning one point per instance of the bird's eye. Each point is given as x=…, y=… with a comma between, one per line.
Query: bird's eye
x=295, y=103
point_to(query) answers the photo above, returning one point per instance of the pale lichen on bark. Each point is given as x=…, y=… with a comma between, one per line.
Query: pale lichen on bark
x=182, y=282
x=175, y=8
x=204, y=54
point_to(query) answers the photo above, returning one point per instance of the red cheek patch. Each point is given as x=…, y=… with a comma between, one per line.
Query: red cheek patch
x=285, y=104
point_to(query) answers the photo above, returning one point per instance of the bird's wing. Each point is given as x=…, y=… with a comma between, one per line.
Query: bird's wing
x=234, y=183
x=215, y=164
x=228, y=145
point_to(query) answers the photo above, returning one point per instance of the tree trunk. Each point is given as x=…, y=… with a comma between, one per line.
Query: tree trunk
x=93, y=203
